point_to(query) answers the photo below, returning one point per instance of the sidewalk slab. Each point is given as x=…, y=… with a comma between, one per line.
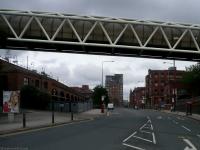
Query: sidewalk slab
x=42, y=119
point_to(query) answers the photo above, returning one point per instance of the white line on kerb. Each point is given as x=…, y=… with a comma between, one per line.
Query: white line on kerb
x=129, y=137
x=186, y=128
x=133, y=146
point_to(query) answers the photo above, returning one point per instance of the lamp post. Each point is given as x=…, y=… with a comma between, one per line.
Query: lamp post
x=102, y=70
x=174, y=83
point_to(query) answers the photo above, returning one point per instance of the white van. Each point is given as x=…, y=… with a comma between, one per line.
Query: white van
x=110, y=106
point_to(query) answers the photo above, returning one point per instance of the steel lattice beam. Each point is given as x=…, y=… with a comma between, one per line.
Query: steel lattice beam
x=99, y=35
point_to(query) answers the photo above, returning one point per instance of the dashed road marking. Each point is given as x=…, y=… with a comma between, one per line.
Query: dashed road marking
x=186, y=128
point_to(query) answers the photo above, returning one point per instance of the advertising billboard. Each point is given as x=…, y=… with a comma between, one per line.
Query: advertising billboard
x=11, y=101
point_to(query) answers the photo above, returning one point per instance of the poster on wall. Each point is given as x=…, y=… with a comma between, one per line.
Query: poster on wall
x=11, y=101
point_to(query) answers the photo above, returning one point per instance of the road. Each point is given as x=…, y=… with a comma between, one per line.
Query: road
x=123, y=129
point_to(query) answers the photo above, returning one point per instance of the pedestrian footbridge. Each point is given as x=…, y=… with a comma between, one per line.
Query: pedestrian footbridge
x=57, y=32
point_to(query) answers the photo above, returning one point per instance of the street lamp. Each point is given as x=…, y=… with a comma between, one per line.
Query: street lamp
x=174, y=83
x=102, y=71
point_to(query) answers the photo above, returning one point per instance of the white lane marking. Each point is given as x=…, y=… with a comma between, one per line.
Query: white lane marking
x=145, y=132
x=198, y=135
x=142, y=126
x=129, y=136
x=154, y=139
x=137, y=137
x=128, y=145
x=151, y=127
x=190, y=144
x=186, y=128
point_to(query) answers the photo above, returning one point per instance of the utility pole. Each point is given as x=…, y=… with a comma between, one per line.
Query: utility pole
x=102, y=71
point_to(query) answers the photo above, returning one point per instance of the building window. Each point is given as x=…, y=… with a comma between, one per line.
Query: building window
x=25, y=81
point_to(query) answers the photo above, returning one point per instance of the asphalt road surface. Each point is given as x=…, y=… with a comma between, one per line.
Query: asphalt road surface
x=123, y=129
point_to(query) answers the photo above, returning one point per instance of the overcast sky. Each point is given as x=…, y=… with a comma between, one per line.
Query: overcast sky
x=75, y=69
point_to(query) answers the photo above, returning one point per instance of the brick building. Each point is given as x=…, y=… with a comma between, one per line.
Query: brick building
x=163, y=87
x=137, y=97
x=13, y=77
x=84, y=90
x=114, y=86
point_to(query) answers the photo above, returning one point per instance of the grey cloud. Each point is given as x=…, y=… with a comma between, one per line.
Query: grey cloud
x=179, y=10
x=49, y=61
x=12, y=53
x=86, y=74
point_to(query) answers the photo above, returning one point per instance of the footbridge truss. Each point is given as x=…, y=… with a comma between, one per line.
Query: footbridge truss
x=56, y=32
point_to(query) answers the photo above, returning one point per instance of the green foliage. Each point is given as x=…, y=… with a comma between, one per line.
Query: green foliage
x=192, y=79
x=33, y=98
x=99, y=91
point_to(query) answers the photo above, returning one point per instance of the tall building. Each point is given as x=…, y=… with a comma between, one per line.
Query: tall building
x=114, y=86
x=163, y=86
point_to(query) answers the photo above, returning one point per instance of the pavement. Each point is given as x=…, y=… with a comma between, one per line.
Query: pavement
x=40, y=119
x=193, y=116
x=122, y=129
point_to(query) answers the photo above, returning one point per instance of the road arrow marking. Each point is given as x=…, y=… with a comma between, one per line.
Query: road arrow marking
x=190, y=144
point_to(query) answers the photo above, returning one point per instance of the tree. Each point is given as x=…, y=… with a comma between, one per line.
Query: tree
x=34, y=98
x=192, y=79
x=99, y=91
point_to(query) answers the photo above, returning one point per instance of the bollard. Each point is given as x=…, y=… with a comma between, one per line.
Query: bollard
x=24, y=120
x=72, y=116
x=52, y=117
x=52, y=111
